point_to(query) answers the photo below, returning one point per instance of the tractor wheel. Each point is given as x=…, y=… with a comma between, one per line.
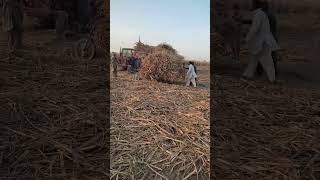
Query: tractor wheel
x=85, y=49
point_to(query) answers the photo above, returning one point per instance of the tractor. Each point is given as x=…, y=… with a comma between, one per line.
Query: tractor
x=126, y=55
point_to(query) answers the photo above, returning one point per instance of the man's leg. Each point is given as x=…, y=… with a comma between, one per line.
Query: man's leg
x=251, y=68
x=237, y=49
x=275, y=60
x=267, y=63
x=134, y=76
x=61, y=22
x=234, y=53
x=11, y=40
x=259, y=69
x=193, y=82
x=18, y=39
x=188, y=82
x=115, y=71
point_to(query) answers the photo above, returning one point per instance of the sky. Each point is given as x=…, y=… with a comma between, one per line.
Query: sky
x=184, y=24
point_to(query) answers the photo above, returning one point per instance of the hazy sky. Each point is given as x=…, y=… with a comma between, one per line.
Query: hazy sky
x=185, y=24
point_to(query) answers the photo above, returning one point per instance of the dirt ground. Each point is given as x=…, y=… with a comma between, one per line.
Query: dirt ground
x=159, y=130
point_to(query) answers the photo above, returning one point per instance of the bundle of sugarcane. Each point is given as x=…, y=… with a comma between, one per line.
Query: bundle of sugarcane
x=144, y=48
x=165, y=46
x=162, y=66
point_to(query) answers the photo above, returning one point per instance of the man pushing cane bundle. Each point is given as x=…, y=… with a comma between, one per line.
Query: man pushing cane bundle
x=261, y=43
x=273, y=28
x=191, y=75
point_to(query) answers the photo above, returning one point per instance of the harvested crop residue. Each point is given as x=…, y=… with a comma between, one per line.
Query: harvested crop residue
x=264, y=131
x=158, y=130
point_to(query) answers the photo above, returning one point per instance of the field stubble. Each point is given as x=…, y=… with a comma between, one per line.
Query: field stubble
x=158, y=130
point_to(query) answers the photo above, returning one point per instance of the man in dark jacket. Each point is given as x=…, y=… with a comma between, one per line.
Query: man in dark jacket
x=136, y=64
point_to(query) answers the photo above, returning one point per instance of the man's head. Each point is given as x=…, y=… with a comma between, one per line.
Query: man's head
x=134, y=54
x=256, y=4
x=265, y=5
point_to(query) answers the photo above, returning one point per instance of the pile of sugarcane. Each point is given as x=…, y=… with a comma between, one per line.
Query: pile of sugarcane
x=162, y=65
x=165, y=46
x=144, y=48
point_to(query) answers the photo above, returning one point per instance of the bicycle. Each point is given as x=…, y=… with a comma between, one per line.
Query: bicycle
x=85, y=48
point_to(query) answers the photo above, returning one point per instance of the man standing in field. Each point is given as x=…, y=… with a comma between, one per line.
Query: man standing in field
x=13, y=22
x=195, y=70
x=114, y=60
x=260, y=43
x=235, y=42
x=191, y=75
x=136, y=67
x=273, y=28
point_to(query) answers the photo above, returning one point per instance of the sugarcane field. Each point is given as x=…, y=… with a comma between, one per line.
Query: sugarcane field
x=54, y=107
x=160, y=90
x=160, y=128
x=159, y=115
x=265, y=130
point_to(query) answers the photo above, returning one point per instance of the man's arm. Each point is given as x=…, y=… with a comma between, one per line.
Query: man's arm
x=189, y=71
x=254, y=27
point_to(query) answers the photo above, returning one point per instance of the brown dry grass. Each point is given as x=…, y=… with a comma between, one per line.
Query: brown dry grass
x=158, y=131
x=265, y=131
x=53, y=117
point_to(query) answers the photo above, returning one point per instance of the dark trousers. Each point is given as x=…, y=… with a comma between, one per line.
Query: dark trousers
x=190, y=84
x=15, y=39
x=61, y=21
x=115, y=70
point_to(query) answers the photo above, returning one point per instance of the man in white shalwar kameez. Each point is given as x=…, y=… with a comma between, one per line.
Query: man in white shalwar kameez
x=191, y=75
x=260, y=44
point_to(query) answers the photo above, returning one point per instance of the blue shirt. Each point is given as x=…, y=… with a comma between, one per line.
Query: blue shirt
x=135, y=64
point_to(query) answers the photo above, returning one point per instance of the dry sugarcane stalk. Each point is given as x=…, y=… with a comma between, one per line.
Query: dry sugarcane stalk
x=163, y=64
